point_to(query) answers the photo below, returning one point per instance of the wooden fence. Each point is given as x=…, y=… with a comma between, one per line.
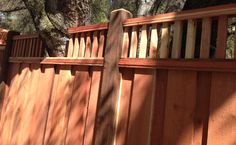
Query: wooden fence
x=159, y=80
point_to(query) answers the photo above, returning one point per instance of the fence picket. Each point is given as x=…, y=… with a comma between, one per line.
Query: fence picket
x=165, y=34
x=177, y=40
x=191, y=38
x=206, y=38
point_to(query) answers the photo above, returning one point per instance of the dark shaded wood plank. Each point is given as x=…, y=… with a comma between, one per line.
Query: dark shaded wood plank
x=177, y=39
x=191, y=39
x=79, y=106
x=141, y=107
x=222, y=37
x=105, y=122
x=95, y=45
x=180, y=108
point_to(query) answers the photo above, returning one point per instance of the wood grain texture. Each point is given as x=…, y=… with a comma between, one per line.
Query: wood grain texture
x=165, y=34
x=101, y=44
x=222, y=128
x=59, y=109
x=125, y=46
x=191, y=39
x=105, y=122
x=177, y=40
x=201, y=114
x=79, y=104
x=222, y=37
x=124, y=106
x=140, y=117
x=95, y=45
x=153, y=42
x=179, y=111
x=88, y=46
x=76, y=46
x=159, y=107
x=89, y=134
x=134, y=42
x=205, y=38
x=70, y=47
x=143, y=42
x=82, y=45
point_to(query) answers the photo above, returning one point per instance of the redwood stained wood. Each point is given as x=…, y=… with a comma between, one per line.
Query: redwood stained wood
x=143, y=42
x=125, y=46
x=101, y=26
x=222, y=119
x=70, y=47
x=179, y=110
x=105, y=123
x=234, y=45
x=8, y=106
x=20, y=99
x=95, y=45
x=165, y=34
x=124, y=105
x=76, y=46
x=134, y=42
x=88, y=45
x=159, y=107
x=222, y=37
x=89, y=134
x=59, y=110
x=201, y=115
x=82, y=45
x=229, y=9
x=41, y=99
x=177, y=40
x=206, y=38
x=191, y=39
x=79, y=104
x=101, y=44
x=153, y=42
x=140, y=117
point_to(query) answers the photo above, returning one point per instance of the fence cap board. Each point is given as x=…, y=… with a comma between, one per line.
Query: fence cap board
x=26, y=36
x=101, y=26
x=229, y=9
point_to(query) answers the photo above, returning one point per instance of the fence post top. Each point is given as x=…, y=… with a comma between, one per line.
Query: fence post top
x=122, y=10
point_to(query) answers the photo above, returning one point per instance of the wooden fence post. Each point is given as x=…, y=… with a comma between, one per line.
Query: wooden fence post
x=107, y=104
x=4, y=64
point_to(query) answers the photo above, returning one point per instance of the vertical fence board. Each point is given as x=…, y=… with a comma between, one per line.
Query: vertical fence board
x=101, y=44
x=125, y=46
x=140, y=118
x=60, y=108
x=222, y=37
x=165, y=34
x=159, y=107
x=178, y=126
x=92, y=108
x=177, y=39
x=206, y=38
x=143, y=42
x=153, y=42
x=82, y=45
x=8, y=107
x=202, y=108
x=222, y=121
x=134, y=42
x=191, y=39
x=95, y=45
x=76, y=46
x=88, y=46
x=42, y=98
x=70, y=47
x=79, y=105
x=124, y=106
